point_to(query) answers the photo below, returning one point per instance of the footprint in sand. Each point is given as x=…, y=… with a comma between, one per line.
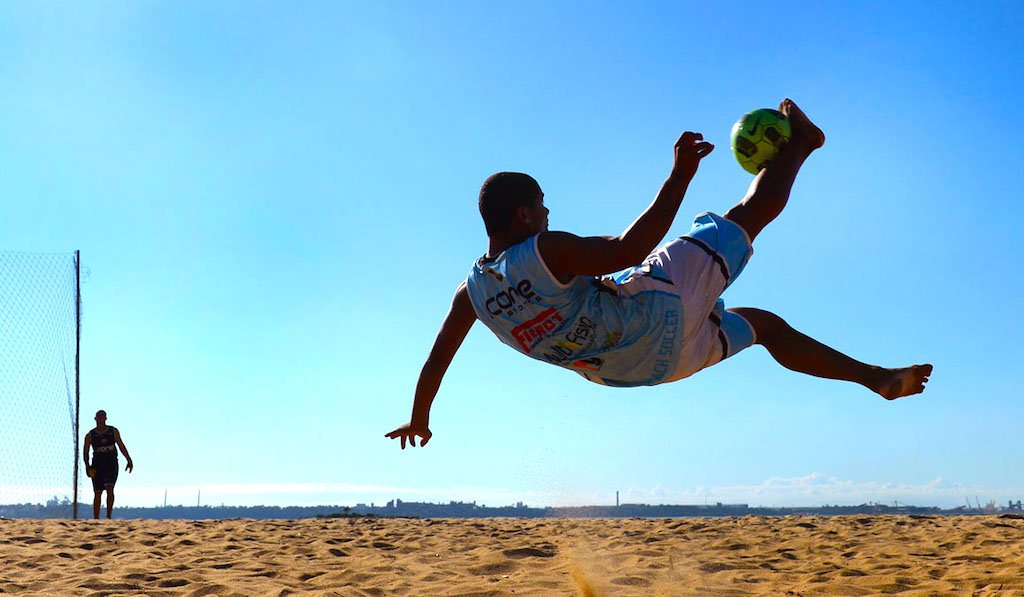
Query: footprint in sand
x=173, y=582
x=223, y=566
x=528, y=552
x=714, y=567
x=631, y=581
x=493, y=569
x=383, y=545
x=107, y=587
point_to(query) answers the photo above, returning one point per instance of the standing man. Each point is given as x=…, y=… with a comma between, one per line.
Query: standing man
x=105, y=441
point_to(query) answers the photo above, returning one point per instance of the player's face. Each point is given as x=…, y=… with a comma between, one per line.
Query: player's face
x=539, y=216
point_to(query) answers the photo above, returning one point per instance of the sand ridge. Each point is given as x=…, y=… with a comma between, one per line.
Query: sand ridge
x=794, y=555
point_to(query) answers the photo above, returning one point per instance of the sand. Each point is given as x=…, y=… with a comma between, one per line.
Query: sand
x=797, y=555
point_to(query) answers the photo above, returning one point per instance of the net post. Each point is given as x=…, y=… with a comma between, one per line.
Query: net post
x=78, y=346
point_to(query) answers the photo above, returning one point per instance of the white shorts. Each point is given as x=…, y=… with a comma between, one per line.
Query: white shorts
x=702, y=264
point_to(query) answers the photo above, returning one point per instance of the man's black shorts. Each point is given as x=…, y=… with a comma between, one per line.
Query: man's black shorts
x=106, y=473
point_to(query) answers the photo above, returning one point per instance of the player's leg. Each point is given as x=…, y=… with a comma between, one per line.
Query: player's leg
x=110, y=500
x=97, y=497
x=804, y=354
x=770, y=190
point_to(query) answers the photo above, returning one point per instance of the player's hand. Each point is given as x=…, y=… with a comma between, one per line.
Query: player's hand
x=410, y=433
x=90, y=471
x=690, y=149
x=128, y=467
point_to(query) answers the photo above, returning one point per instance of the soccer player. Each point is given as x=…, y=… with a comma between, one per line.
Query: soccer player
x=105, y=441
x=547, y=294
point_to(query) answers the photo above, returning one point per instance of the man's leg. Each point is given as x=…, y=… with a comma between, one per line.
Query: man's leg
x=110, y=500
x=97, y=496
x=804, y=354
x=769, y=192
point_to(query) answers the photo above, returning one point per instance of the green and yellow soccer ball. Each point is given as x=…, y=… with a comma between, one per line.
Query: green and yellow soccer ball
x=758, y=137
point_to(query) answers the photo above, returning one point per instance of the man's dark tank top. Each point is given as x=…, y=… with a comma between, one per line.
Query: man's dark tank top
x=104, y=445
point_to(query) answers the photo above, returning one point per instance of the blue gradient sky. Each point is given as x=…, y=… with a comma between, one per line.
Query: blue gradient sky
x=274, y=204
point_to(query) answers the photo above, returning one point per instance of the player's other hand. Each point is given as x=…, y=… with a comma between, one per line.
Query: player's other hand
x=129, y=466
x=410, y=432
x=690, y=149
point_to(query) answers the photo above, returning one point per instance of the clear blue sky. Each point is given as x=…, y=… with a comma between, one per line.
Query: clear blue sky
x=274, y=204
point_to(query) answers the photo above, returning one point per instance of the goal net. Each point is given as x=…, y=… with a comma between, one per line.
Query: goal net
x=39, y=325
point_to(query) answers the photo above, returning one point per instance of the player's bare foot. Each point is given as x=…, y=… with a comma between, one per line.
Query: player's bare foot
x=805, y=133
x=897, y=383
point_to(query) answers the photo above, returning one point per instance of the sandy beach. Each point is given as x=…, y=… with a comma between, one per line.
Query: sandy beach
x=798, y=555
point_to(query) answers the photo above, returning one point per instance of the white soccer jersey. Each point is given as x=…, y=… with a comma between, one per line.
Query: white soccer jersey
x=621, y=331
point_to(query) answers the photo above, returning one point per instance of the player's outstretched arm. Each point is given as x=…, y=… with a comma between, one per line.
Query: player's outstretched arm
x=568, y=255
x=453, y=331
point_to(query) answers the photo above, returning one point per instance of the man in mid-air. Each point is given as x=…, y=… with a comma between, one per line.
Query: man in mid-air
x=545, y=294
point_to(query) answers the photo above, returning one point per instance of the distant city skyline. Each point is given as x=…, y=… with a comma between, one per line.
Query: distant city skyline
x=810, y=490
x=55, y=508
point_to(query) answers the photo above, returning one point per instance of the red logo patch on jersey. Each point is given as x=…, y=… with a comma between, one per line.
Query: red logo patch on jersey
x=531, y=332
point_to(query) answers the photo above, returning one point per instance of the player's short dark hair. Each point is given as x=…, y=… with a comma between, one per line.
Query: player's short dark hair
x=503, y=193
